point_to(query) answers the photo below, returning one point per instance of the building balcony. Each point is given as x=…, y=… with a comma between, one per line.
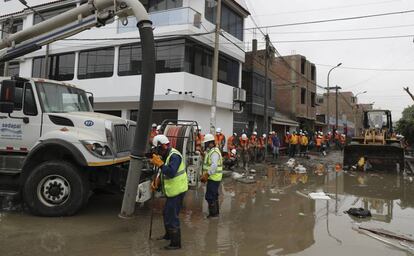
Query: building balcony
x=171, y=17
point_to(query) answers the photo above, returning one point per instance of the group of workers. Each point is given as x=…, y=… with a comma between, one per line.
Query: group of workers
x=172, y=177
x=172, y=180
x=300, y=142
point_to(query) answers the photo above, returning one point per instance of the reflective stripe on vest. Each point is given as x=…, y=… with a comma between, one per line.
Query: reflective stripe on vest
x=217, y=176
x=177, y=184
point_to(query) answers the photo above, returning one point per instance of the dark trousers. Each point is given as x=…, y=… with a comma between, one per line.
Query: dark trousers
x=212, y=191
x=172, y=210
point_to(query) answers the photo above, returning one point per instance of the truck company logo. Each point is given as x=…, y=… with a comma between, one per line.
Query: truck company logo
x=89, y=123
x=11, y=131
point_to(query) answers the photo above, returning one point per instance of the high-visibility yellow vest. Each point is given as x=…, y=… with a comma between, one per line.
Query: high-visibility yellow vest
x=177, y=184
x=218, y=175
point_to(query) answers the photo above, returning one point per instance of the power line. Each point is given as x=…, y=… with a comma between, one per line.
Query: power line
x=343, y=39
x=368, y=69
x=338, y=30
x=327, y=8
x=334, y=20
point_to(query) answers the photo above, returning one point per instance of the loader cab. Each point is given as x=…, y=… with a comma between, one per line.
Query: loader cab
x=378, y=119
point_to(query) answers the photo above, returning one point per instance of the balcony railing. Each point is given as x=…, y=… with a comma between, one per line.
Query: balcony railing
x=177, y=16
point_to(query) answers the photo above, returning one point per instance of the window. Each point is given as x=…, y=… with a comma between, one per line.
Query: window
x=47, y=14
x=313, y=72
x=320, y=100
x=199, y=61
x=258, y=88
x=130, y=60
x=159, y=5
x=302, y=66
x=17, y=25
x=96, y=63
x=117, y=113
x=61, y=67
x=231, y=21
x=170, y=58
x=29, y=106
x=14, y=69
x=302, y=96
x=178, y=56
x=313, y=99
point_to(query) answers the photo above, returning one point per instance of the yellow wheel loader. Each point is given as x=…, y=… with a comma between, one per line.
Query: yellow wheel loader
x=377, y=148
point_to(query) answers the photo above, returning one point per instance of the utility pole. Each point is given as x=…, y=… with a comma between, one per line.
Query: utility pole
x=336, y=106
x=266, y=91
x=215, y=69
x=327, y=91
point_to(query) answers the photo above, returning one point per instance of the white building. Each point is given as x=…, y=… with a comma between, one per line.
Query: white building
x=105, y=61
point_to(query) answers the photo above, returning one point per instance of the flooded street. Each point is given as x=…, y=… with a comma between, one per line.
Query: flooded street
x=274, y=216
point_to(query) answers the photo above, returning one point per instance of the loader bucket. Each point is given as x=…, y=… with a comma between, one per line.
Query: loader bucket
x=382, y=157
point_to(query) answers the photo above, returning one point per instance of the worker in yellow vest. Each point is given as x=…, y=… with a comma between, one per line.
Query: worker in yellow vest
x=174, y=184
x=212, y=174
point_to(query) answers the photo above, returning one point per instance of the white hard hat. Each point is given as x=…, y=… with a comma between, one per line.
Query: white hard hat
x=208, y=137
x=264, y=135
x=199, y=127
x=233, y=151
x=218, y=130
x=234, y=134
x=244, y=136
x=254, y=133
x=158, y=127
x=160, y=139
x=154, y=125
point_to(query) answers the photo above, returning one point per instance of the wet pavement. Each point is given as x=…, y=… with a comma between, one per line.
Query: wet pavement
x=274, y=216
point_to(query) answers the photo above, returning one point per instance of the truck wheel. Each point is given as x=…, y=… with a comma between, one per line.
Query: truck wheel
x=55, y=188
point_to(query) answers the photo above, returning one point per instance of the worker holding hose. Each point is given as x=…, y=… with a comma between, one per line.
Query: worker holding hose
x=174, y=184
x=212, y=174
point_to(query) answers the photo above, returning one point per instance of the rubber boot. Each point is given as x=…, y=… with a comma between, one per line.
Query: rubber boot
x=175, y=243
x=217, y=208
x=213, y=210
x=166, y=236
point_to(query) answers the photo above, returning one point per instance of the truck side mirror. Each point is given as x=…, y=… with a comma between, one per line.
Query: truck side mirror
x=90, y=98
x=8, y=88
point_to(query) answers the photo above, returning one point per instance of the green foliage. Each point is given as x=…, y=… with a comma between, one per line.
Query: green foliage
x=405, y=125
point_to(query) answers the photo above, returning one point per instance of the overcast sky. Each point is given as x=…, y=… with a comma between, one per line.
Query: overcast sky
x=385, y=88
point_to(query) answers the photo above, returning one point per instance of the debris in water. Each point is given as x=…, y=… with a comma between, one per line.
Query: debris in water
x=236, y=175
x=319, y=196
x=291, y=163
x=275, y=199
x=253, y=171
x=300, y=169
x=301, y=214
x=358, y=212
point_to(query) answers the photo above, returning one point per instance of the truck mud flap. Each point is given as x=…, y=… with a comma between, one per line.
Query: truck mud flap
x=381, y=157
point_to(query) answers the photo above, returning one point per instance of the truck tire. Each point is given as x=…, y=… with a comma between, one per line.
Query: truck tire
x=55, y=188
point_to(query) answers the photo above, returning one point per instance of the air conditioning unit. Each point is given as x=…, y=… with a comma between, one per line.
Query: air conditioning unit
x=239, y=95
x=197, y=20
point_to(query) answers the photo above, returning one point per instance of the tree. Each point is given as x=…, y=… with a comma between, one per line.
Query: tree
x=405, y=125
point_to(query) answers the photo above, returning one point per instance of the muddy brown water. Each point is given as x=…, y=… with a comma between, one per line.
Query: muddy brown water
x=271, y=217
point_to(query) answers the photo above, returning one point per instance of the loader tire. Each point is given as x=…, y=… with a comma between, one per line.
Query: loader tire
x=55, y=188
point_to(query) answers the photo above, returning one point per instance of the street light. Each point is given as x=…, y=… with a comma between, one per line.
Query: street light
x=359, y=93
x=327, y=99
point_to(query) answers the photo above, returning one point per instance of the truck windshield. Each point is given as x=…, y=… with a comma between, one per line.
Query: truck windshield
x=58, y=98
x=377, y=119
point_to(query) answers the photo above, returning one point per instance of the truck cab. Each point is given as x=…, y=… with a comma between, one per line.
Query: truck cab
x=54, y=149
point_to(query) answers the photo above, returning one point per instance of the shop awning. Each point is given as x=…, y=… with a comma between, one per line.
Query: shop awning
x=280, y=119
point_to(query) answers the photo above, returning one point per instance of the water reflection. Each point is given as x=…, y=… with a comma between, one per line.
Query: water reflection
x=274, y=216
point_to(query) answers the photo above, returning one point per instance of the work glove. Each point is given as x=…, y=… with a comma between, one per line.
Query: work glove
x=204, y=177
x=155, y=183
x=156, y=160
